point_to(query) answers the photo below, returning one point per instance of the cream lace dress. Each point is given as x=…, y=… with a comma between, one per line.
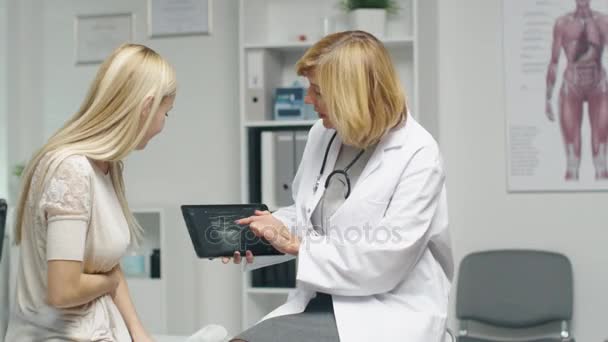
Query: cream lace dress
x=74, y=215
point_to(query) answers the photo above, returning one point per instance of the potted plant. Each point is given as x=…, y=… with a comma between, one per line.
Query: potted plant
x=15, y=181
x=370, y=15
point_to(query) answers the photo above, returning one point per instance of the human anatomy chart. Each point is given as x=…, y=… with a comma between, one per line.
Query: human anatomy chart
x=556, y=94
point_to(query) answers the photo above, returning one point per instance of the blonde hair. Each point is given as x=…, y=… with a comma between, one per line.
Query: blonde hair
x=109, y=124
x=358, y=83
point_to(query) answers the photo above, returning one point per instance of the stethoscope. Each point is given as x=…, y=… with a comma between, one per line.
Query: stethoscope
x=335, y=172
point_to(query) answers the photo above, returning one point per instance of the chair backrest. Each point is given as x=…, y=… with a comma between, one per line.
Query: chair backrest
x=515, y=288
x=3, y=210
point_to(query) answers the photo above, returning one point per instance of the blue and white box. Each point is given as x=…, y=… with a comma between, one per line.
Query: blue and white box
x=289, y=104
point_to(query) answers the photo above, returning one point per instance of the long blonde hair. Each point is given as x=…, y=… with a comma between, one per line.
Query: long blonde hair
x=358, y=83
x=109, y=124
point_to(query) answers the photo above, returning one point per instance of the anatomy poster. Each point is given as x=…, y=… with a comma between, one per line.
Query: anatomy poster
x=556, y=94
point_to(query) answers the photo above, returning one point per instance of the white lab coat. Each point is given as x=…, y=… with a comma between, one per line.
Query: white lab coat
x=392, y=285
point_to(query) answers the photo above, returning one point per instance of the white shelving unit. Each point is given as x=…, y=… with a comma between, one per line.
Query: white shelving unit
x=279, y=123
x=302, y=46
x=274, y=27
x=148, y=293
x=267, y=290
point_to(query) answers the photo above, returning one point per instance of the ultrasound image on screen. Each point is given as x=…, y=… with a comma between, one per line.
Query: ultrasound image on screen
x=214, y=232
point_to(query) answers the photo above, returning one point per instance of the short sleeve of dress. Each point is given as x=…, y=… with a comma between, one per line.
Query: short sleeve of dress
x=67, y=195
x=66, y=203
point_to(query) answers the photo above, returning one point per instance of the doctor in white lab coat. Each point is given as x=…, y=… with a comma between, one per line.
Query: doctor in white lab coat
x=381, y=253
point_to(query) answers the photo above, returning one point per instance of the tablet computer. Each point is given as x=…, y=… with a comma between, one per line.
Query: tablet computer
x=3, y=210
x=215, y=234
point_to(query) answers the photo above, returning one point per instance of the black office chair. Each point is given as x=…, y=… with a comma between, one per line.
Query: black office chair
x=2, y=223
x=516, y=296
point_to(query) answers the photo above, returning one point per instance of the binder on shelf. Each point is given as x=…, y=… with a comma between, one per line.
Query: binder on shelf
x=257, y=278
x=262, y=76
x=286, y=274
x=269, y=276
x=268, y=178
x=256, y=105
x=281, y=153
x=285, y=168
x=281, y=275
x=291, y=273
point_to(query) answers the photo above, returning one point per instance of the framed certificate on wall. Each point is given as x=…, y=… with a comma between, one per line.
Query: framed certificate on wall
x=96, y=36
x=179, y=17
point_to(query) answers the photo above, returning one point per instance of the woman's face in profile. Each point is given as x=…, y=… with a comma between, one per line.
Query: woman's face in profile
x=158, y=121
x=315, y=98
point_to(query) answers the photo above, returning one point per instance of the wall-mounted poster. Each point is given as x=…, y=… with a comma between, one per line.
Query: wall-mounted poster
x=556, y=94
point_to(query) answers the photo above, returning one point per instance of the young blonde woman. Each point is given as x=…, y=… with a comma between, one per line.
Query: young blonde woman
x=369, y=223
x=73, y=222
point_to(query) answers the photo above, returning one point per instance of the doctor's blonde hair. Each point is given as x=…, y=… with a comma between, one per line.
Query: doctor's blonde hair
x=109, y=124
x=358, y=83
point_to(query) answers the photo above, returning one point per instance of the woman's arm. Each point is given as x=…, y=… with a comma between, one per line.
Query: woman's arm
x=66, y=201
x=69, y=287
x=123, y=302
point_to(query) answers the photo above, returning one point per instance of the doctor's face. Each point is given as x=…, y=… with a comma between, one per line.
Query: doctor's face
x=315, y=98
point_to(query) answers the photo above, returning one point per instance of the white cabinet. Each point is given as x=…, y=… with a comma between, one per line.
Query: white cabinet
x=274, y=34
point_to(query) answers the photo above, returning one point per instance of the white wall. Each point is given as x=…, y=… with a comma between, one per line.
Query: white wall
x=3, y=82
x=483, y=215
x=23, y=72
x=195, y=160
x=25, y=96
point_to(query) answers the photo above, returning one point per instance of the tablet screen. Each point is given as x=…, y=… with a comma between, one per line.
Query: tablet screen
x=214, y=233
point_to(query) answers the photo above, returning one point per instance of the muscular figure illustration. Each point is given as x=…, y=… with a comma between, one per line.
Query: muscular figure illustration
x=582, y=35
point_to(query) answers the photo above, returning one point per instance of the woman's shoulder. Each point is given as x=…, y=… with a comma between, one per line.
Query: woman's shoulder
x=60, y=170
x=64, y=165
x=414, y=146
x=77, y=161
